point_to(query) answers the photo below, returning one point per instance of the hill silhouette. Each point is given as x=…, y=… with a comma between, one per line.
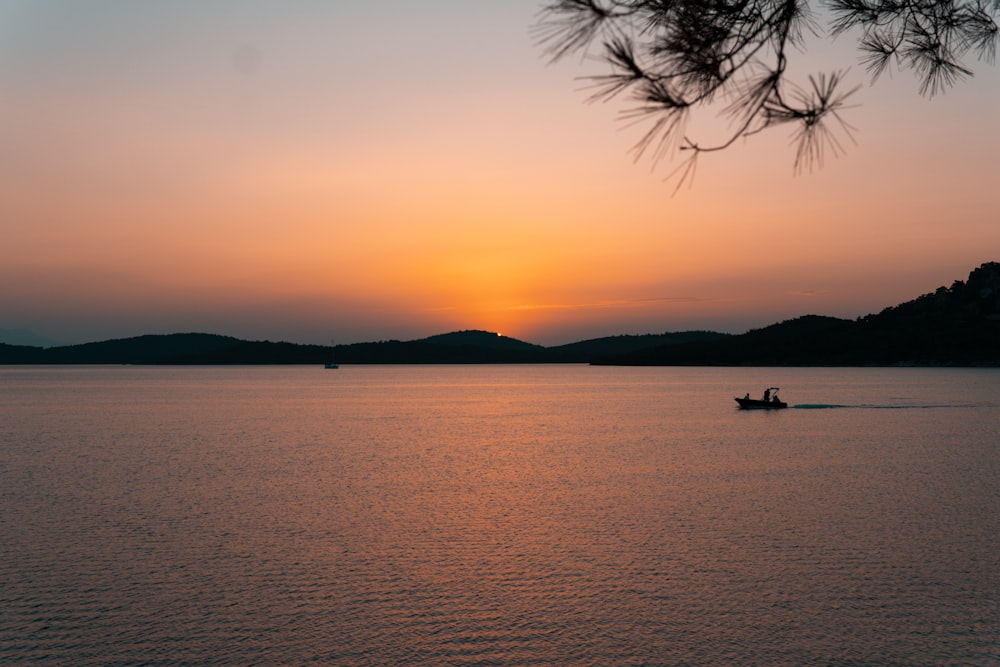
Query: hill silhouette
x=480, y=339
x=598, y=348
x=955, y=325
x=26, y=338
x=179, y=348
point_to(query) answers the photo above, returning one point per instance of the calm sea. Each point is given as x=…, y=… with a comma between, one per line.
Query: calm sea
x=498, y=515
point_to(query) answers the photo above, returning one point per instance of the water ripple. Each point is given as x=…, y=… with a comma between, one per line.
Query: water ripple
x=577, y=520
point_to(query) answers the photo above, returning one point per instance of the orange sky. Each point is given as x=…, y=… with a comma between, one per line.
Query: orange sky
x=301, y=171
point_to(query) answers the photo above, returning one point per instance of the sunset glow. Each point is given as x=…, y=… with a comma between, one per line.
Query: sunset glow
x=294, y=171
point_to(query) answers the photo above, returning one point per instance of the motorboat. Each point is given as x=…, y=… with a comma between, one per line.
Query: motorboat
x=770, y=401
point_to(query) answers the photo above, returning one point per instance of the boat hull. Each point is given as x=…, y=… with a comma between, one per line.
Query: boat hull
x=757, y=404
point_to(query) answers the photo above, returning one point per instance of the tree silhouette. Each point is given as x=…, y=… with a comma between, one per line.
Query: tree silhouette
x=679, y=57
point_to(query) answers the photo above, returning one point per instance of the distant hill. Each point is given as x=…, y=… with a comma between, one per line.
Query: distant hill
x=603, y=348
x=25, y=337
x=479, y=339
x=487, y=347
x=956, y=325
x=803, y=340
x=180, y=348
x=210, y=349
x=459, y=347
x=138, y=350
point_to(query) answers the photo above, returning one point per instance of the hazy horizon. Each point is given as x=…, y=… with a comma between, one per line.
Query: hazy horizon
x=302, y=172
x=21, y=336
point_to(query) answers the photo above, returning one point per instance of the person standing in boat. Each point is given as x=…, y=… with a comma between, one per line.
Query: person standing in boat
x=767, y=395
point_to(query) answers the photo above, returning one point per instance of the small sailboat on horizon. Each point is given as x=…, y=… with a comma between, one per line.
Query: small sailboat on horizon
x=332, y=363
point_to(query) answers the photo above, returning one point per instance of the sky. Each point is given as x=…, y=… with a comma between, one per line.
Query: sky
x=307, y=171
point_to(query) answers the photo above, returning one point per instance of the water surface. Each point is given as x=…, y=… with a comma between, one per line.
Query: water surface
x=498, y=515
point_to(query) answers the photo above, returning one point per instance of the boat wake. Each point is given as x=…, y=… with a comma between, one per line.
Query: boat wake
x=818, y=406
x=868, y=406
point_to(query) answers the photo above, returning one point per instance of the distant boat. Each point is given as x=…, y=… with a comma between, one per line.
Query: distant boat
x=331, y=363
x=769, y=402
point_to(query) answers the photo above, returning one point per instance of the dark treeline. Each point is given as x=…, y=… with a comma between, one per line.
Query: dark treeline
x=461, y=347
x=956, y=325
